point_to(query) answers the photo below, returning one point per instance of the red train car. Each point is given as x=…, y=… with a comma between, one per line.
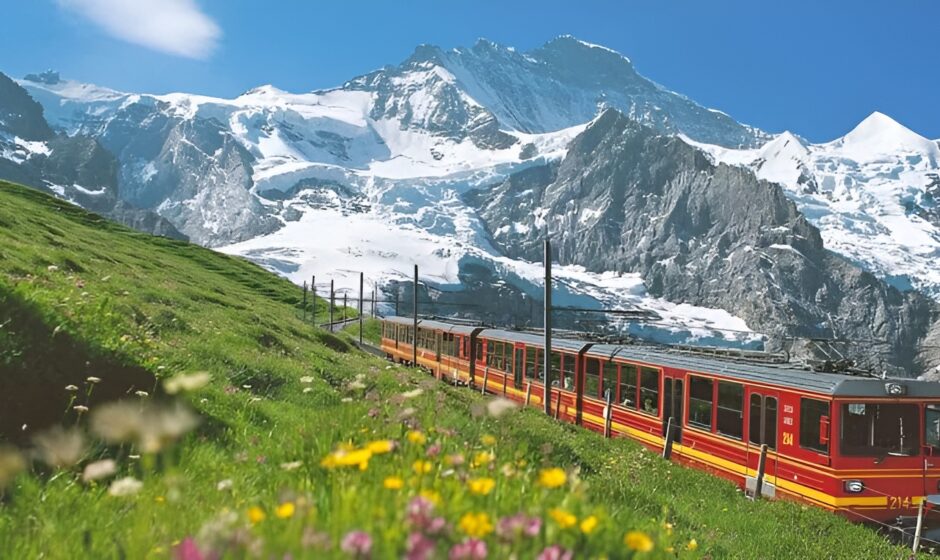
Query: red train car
x=861, y=446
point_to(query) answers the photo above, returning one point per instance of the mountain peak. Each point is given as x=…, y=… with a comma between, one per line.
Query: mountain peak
x=570, y=41
x=880, y=134
x=49, y=77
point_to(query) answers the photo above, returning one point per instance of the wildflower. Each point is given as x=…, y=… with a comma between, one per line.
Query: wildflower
x=419, y=547
x=93, y=380
x=356, y=385
x=476, y=525
x=417, y=437
x=285, y=510
x=357, y=543
x=481, y=486
x=342, y=458
x=470, y=549
x=482, y=458
x=552, y=478
x=142, y=394
x=413, y=393
x=224, y=485
x=123, y=487
x=488, y=440
x=52, y=268
x=188, y=550
x=60, y=447
x=11, y=464
x=500, y=406
x=588, y=524
x=306, y=379
x=638, y=541
x=419, y=511
x=512, y=527
x=71, y=388
x=393, y=483
x=380, y=446
x=256, y=515
x=80, y=408
x=343, y=400
x=555, y=552
x=434, y=450
x=431, y=495
x=150, y=426
x=292, y=466
x=98, y=470
x=563, y=518
x=693, y=544
x=312, y=538
x=422, y=467
x=454, y=460
x=307, y=390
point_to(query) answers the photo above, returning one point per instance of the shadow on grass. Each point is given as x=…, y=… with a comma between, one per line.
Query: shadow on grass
x=37, y=363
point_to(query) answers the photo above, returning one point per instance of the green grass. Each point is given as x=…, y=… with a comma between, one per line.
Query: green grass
x=80, y=297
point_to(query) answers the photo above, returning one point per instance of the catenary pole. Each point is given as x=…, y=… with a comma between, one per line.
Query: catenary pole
x=361, y=299
x=548, y=328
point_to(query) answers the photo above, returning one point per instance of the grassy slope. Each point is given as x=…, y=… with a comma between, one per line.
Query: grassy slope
x=129, y=307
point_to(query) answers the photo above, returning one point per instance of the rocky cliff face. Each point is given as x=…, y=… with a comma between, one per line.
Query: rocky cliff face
x=76, y=168
x=628, y=199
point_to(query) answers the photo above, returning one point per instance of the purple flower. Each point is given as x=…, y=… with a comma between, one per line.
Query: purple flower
x=434, y=450
x=470, y=549
x=419, y=547
x=419, y=512
x=435, y=526
x=189, y=550
x=357, y=543
x=555, y=552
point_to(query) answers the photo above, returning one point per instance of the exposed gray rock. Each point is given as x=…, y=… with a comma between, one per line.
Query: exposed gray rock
x=628, y=199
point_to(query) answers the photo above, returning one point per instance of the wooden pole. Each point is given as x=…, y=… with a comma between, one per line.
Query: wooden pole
x=761, y=465
x=373, y=302
x=547, y=395
x=361, y=302
x=528, y=393
x=920, y=524
x=486, y=377
x=608, y=415
x=332, y=304
x=414, y=343
x=313, y=299
x=558, y=405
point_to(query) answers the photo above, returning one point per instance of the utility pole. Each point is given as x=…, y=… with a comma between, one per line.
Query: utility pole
x=414, y=345
x=548, y=328
x=373, y=301
x=313, y=295
x=361, y=298
x=332, y=304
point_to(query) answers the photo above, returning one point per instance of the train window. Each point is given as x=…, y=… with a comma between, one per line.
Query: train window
x=878, y=430
x=628, y=377
x=609, y=379
x=568, y=372
x=533, y=366
x=649, y=390
x=592, y=377
x=932, y=421
x=730, y=417
x=814, y=414
x=556, y=369
x=701, y=393
x=480, y=353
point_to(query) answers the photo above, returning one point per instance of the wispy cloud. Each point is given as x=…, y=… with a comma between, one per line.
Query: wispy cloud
x=177, y=27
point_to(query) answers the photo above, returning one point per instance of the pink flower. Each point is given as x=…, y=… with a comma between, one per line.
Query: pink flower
x=419, y=547
x=419, y=512
x=357, y=543
x=434, y=450
x=189, y=550
x=470, y=549
x=436, y=526
x=512, y=527
x=555, y=552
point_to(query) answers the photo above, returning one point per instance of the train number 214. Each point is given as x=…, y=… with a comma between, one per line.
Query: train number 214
x=897, y=502
x=788, y=438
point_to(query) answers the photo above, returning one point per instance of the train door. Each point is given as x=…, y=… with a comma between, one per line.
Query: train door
x=518, y=366
x=672, y=405
x=762, y=429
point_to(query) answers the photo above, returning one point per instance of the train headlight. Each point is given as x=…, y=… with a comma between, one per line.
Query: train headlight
x=895, y=389
x=854, y=486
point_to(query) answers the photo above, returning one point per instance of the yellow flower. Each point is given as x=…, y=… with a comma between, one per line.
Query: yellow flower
x=693, y=544
x=638, y=541
x=588, y=524
x=552, y=478
x=342, y=458
x=422, y=467
x=393, y=483
x=488, y=440
x=285, y=510
x=431, y=496
x=475, y=525
x=380, y=446
x=481, y=486
x=563, y=518
x=255, y=515
x=482, y=458
x=416, y=437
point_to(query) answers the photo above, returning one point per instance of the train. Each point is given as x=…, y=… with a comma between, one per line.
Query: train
x=866, y=447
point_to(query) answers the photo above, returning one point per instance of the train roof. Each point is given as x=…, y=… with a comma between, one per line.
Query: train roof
x=782, y=375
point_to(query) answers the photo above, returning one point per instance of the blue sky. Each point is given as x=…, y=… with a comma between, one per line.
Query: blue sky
x=816, y=68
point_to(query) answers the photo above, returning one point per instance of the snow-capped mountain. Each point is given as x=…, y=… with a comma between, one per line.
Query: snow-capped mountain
x=874, y=194
x=404, y=165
